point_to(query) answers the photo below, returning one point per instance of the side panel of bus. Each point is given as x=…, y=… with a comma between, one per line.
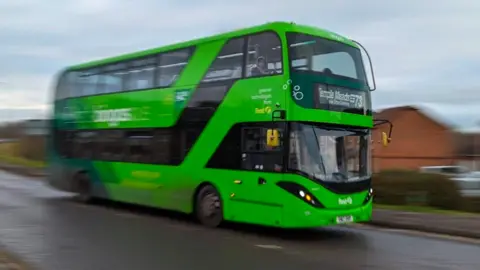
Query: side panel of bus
x=156, y=146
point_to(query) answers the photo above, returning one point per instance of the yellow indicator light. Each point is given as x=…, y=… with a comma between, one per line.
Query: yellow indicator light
x=308, y=197
x=232, y=195
x=237, y=181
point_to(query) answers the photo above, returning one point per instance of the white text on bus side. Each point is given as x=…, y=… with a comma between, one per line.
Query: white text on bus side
x=114, y=116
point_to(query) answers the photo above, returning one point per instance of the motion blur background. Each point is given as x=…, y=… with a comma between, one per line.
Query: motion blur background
x=425, y=57
x=426, y=60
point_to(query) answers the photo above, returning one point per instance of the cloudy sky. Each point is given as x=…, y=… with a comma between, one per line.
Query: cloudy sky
x=424, y=51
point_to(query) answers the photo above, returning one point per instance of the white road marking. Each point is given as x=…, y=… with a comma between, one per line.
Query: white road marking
x=269, y=246
x=127, y=215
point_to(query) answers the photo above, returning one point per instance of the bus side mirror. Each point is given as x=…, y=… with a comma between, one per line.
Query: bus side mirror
x=273, y=138
x=385, y=139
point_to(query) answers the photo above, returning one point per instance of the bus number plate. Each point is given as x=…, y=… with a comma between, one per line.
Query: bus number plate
x=344, y=219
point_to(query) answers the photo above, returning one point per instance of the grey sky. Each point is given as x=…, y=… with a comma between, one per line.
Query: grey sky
x=423, y=51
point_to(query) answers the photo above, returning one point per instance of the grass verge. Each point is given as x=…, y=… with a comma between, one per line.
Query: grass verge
x=8, y=155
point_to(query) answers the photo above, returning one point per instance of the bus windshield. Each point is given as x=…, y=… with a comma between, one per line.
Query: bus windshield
x=329, y=154
x=330, y=58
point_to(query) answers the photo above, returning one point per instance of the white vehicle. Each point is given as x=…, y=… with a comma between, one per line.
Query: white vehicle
x=469, y=184
x=451, y=171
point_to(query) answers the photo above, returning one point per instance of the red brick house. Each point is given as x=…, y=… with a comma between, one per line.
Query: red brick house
x=420, y=138
x=468, y=149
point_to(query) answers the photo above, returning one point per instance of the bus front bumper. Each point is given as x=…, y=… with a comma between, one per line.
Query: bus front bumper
x=314, y=217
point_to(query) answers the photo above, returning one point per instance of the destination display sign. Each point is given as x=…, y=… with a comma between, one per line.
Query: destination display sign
x=341, y=99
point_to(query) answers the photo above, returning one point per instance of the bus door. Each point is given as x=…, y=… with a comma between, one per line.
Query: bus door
x=262, y=167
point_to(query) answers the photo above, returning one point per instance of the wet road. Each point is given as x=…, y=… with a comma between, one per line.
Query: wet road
x=52, y=232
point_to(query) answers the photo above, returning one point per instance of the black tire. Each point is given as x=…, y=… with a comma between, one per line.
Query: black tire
x=83, y=188
x=209, y=207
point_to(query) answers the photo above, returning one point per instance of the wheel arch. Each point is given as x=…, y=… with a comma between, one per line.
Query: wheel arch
x=75, y=178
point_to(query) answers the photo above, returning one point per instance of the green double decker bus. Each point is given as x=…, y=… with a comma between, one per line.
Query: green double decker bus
x=267, y=125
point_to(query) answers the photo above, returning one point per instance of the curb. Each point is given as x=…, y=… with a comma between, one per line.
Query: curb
x=23, y=171
x=426, y=229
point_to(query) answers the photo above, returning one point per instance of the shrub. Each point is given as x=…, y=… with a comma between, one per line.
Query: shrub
x=402, y=187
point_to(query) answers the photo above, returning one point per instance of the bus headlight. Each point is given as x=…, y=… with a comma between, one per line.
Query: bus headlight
x=300, y=192
x=369, y=196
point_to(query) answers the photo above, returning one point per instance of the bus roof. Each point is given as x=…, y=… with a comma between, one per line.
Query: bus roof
x=279, y=26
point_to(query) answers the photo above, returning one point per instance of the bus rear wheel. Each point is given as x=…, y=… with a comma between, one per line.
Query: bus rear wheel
x=83, y=188
x=208, y=207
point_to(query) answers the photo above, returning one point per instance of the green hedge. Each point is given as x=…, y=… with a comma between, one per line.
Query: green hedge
x=32, y=148
x=472, y=204
x=401, y=187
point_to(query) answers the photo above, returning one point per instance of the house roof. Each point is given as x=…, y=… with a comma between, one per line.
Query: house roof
x=471, y=130
x=390, y=112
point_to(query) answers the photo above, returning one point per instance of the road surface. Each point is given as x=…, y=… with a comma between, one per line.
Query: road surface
x=49, y=230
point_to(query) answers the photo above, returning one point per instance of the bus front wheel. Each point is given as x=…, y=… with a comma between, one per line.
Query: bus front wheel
x=208, y=207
